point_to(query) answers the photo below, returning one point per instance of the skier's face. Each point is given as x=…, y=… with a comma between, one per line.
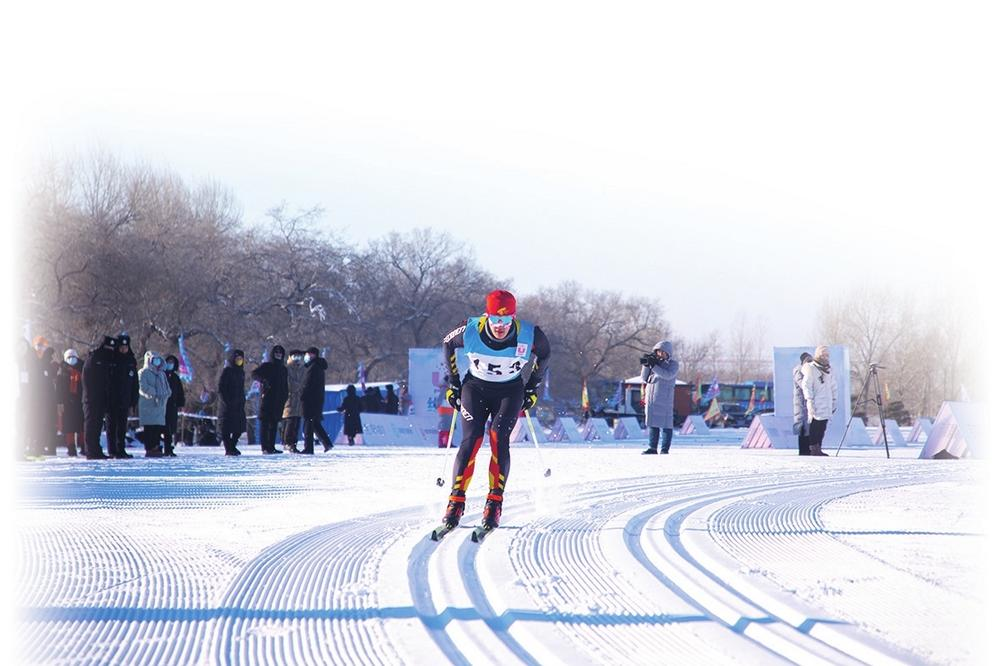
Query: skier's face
x=499, y=326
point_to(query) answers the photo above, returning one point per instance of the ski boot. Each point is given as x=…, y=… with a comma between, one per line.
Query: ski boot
x=493, y=509
x=455, y=508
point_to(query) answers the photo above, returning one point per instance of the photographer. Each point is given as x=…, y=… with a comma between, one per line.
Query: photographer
x=659, y=371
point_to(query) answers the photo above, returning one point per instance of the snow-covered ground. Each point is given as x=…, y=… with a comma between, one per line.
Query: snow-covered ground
x=712, y=554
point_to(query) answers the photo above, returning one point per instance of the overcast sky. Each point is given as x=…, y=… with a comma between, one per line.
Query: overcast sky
x=718, y=157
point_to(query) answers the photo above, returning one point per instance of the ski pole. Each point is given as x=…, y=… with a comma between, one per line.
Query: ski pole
x=537, y=447
x=450, y=434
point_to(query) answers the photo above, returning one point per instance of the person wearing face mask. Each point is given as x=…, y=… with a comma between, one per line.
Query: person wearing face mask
x=69, y=394
x=273, y=378
x=818, y=387
x=175, y=403
x=154, y=391
x=313, y=398
x=293, y=405
x=502, y=350
x=232, y=402
x=123, y=396
x=97, y=395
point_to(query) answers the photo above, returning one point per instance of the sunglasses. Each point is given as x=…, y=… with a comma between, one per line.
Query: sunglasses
x=500, y=320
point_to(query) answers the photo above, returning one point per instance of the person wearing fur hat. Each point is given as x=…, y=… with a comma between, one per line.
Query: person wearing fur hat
x=154, y=392
x=818, y=387
x=292, y=413
x=69, y=394
x=232, y=402
x=659, y=371
x=273, y=378
x=124, y=395
x=313, y=398
x=175, y=403
x=97, y=395
x=502, y=350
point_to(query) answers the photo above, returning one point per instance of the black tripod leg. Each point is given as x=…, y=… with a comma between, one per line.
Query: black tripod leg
x=862, y=398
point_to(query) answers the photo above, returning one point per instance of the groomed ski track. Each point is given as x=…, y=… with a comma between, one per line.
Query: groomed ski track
x=643, y=570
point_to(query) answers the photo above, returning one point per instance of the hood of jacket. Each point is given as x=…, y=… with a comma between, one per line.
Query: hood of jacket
x=665, y=345
x=232, y=358
x=170, y=358
x=278, y=349
x=147, y=360
x=320, y=361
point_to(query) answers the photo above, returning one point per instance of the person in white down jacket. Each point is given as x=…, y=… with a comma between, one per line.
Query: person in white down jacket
x=818, y=385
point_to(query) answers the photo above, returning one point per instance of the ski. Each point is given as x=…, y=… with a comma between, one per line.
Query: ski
x=441, y=531
x=480, y=532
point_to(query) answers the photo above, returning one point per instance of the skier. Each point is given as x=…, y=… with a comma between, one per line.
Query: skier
x=69, y=383
x=313, y=397
x=154, y=392
x=175, y=403
x=232, y=402
x=124, y=395
x=659, y=371
x=293, y=405
x=500, y=348
x=273, y=378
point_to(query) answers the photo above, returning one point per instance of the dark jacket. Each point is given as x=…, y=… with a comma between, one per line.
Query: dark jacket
x=314, y=389
x=351, y=408
x=43, y=389
x=97, y=377
x=177, y=398
x=69, y=393
x=273, y=378
x=232, y=398
x=372, y=401
x=391, y=401
x=124, y=390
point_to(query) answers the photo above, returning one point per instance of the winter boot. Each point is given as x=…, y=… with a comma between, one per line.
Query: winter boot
x=168, y=452
x=291, y=448
x=455, y=508
x=121, y=455
x=494, y=507
x=817, y=450
x=154, y=452
x=650, y=450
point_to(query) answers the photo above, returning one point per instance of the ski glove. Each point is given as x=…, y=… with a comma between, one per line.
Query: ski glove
x=453, y=396
x=530, y=398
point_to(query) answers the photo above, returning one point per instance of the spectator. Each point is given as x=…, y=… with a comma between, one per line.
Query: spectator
x=313, y=398
x=69, y=395
x=293, y=406
x=659, y=371
x=273, y=378
x=154, y=392
x=818, y=386
x=45, y=432
x=800, y=425
x=372, y=400
x=351, y=408
x=175, y=403
x=25, y=367
x=391, y=400
x=97, y=396
x=232, y=402
x=123, y=396
x=405, y=400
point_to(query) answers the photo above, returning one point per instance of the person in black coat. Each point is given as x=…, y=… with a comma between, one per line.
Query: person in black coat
x=273, y=378
x=232, y=402
x=123, y=396
x=44, y=402
x=175, y=403
x=351, y=408
x=391, y=400
x=372, y=400
x=313, y=398
x=69, y=395
x=97, y=395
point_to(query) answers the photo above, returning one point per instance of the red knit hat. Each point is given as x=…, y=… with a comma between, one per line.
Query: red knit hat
x=501, y=303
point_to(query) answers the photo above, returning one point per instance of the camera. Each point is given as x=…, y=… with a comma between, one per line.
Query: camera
x=649, y=359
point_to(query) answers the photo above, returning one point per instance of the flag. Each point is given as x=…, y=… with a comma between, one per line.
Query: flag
x=184, y=369
x=618, y=397
x=547, y=395
x=362, y=375
x=752, y=402
x=586, y=398
x=698, y=395
x=714, y=411
x=713, y=390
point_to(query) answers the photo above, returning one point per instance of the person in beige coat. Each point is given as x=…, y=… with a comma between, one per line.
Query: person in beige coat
x=154, y=391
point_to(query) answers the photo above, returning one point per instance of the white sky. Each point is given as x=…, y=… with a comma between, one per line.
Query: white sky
x=720, y=157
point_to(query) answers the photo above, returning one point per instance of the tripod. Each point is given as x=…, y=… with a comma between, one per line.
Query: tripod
x=872, y=373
